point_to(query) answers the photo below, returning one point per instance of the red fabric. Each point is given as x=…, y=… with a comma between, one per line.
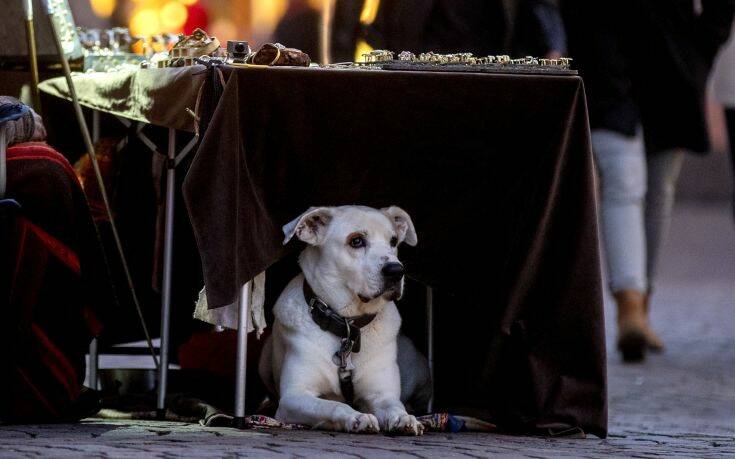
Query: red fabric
x=56, y=291
x=197, y=17
x=40, y=151
x=56, y=248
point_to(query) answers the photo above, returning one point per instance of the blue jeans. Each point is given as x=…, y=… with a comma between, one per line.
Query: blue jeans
x=637, y=196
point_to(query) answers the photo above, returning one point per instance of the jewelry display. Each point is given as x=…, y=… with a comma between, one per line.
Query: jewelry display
x=459, y=62
x=64, y=23
x=107, y=50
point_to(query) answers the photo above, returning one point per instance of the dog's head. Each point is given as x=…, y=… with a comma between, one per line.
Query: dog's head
x=356, y=247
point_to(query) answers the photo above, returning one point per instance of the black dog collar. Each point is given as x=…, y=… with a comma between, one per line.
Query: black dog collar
x=347, y=328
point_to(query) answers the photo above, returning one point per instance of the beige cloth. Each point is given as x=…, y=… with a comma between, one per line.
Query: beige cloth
x=153, y=96
x=226, y=316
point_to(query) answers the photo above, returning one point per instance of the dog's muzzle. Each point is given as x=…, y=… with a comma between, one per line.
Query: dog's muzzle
x=392, y=272
x=393, y=275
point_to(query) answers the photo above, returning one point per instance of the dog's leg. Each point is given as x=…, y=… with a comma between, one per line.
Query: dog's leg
x=379, y=393
x=305, y=408
x=392, y=415
x=300, y=387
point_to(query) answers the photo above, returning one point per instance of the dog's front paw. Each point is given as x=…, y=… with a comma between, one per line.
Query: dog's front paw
x=362, y=423
x=404, y=424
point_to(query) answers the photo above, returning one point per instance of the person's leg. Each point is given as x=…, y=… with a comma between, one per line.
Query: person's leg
x=621, y=163
x=663, y=171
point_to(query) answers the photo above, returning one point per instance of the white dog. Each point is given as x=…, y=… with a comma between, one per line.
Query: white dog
x=335, y=339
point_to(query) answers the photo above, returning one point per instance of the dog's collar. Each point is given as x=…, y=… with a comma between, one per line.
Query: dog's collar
x=347, y=328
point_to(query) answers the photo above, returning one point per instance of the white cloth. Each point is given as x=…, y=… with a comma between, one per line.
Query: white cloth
x=724, y=74
x=226, y=316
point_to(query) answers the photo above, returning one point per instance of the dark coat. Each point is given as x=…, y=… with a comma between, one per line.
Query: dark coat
x=646, y=62
x=480, y=27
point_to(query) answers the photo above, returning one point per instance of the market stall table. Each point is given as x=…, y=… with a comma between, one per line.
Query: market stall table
x=497, y=173
x=160, y=97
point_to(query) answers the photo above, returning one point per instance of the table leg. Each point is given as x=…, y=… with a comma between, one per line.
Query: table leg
x=242, y=354
x=430, y=340
x=93, y=365
x=95, y=126
x=94, y=353
x=166, y=287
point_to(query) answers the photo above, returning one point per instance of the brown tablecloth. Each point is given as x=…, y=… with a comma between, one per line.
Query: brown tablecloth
x=497, y=173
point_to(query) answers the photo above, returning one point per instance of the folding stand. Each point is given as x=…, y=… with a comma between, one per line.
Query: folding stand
x=172, y=160
x=49, y=8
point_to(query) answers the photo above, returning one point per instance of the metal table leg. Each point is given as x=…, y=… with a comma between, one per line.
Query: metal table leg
x=242, y=354
x=94, y=352
x=430, y=340
x=93, y=365
x=166, y=287
x=95, y=126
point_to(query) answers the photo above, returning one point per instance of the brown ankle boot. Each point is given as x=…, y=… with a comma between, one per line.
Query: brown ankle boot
x=632, y=324
x=655, y=344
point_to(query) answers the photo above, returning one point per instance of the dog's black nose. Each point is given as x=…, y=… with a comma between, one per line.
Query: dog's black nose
x=392, y=270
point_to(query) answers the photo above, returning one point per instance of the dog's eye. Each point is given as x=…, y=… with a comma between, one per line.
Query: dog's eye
x=357, y=242
x=393, y=241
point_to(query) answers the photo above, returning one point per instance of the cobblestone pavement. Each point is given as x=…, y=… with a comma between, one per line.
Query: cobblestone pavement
x=680, y=403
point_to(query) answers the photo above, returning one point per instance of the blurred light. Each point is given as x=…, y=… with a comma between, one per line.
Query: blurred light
x=367, y=17
x=188, y=2
x=265, y=15
x=223, y=29
x=369, y=11
x=103, y=8
x=173, y=16
x=145, y=22
x=362, y=48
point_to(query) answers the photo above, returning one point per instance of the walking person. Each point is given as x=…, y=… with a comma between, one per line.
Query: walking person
x=645, y=64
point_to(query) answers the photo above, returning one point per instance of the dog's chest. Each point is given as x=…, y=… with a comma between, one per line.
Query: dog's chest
x=327, y=347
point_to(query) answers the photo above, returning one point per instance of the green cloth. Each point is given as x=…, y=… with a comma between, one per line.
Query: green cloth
x=153, y=96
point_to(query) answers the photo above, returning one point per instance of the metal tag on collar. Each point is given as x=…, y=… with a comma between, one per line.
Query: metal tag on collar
x=345, y=375
x=317, y=303
x=349, y=333
x=344, y=362
x=343, y=357
x=347, y=345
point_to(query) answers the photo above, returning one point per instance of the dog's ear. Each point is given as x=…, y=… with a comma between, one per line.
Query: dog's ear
x=310, y=226
x=402, y=222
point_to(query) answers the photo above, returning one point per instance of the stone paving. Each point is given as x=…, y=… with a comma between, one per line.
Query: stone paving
x=678, y=404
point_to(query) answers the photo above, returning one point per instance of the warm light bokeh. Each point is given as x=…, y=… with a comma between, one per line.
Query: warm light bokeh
x=173, y=16
x=253, y=20
x=266, y=14
x=369, y=11
x=145, y=21
x=148, y=17
x=103, y=8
